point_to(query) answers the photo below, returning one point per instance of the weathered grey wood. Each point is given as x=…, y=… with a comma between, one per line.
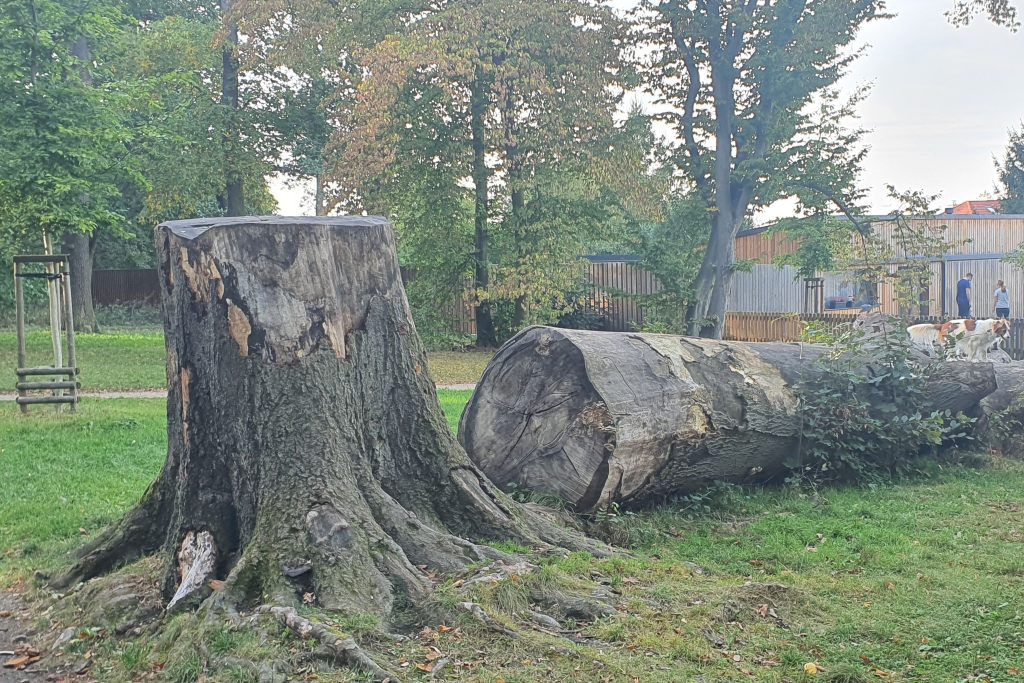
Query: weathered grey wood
x=43, y=386
x=596, y=418
x=1002, y=411
x=35, y=372
x=45, y=400
x=304, y=432
x=19, y=306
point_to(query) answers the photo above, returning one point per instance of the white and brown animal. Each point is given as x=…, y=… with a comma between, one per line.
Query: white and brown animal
x=975, y=338
x=972, y=339
x=928, y=337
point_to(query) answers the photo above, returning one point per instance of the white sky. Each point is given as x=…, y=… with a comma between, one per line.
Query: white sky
x=942, y=102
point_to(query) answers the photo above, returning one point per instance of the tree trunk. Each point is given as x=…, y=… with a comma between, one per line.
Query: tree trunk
x=234, y=190
x=597, y=418
x=1002, y=412
x=485, y=333
x=307, y=451
x=318, y=196
x=81, y=249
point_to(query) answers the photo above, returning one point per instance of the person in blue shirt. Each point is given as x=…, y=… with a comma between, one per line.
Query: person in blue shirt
x=1002, y=300
x=963, y=296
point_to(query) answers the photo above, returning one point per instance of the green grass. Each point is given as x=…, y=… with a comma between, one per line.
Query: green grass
x=119, y=360
x=452, y=403
x=137, y=361
x=922, y=581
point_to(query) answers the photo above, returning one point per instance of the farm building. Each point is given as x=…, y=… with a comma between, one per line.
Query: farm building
x=982, y=240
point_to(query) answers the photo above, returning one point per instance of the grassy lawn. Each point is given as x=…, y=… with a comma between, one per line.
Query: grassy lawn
x=922, y=581
x=137, y=360
x=128, y=360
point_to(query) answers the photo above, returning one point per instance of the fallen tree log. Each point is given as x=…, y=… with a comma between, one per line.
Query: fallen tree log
x=596, y=418
x=1002, y=411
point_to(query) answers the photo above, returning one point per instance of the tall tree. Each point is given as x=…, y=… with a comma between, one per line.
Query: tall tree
x=186, y=137
x=739, y=81
x=499, y=106
x=1001, y=12
x=1011, y=173
x=64, y=144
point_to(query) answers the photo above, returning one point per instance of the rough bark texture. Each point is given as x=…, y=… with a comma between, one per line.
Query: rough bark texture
x=1002, y=412
x=81, y=249
x=600, y=417
x=234, y=186
x=304, y=432
x=486, y=336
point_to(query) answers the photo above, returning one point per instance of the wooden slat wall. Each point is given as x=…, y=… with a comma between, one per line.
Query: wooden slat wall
x=125, y=287
x=978, y=235
x=615, y=281
x=764, y=247
x=767, y=288
x=787, y=327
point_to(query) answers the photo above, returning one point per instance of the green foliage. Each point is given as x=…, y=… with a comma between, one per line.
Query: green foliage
x=860, y=423
x=749, y=90
x=65, y=140
x=172, y=66
x=1011, y=173
x=823, y=244
x=1000, y=12
x=672, y=250
x=486, y=130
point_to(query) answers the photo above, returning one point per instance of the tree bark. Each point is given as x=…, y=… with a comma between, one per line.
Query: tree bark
x=234, y=188
x=81, y=250
x=597, y=418
x=307, y=451
x=320, y=209
x=1002, y=412
x=486, y=336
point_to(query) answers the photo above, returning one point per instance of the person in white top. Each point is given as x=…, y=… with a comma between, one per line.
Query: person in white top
x=1002, y=300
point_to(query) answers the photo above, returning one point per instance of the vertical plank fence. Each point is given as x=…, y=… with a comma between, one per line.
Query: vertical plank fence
x=789, y=327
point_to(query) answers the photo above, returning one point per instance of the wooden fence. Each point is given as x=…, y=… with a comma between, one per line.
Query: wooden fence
x=789, y=327
x=614, y=282
x=125, y=287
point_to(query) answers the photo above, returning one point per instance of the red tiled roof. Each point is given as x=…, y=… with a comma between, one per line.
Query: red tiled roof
x=978, y=206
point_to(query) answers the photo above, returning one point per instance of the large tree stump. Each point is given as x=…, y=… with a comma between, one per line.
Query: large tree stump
x=596, y=418
x=308, y=457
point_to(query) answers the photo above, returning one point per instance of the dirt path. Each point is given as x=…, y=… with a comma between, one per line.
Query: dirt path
x=19, y=640
x=160, y=393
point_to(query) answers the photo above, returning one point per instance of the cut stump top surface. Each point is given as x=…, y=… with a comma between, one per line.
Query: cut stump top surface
x=194, y=227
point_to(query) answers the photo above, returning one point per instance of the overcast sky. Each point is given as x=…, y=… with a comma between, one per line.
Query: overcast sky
x=941, y=104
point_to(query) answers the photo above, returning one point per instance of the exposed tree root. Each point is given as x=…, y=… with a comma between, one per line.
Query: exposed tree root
x=478, y=613
x=342, y=651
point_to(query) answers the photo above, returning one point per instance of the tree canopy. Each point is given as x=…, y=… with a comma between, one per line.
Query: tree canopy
x=65, y=144
x=746, y=88
x=500, y=113
x=1011, y=173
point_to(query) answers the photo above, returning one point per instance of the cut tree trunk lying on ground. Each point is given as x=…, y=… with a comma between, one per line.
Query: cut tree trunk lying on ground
x=308, y=457
x=1002, y=412
x=596, y=418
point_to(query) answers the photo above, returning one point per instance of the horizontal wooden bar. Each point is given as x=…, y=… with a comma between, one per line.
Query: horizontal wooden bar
x=22, y=372
x=44, y=386
x=40, y=258
x=37, y=400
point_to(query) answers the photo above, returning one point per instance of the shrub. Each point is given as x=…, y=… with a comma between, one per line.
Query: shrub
x=860, y=425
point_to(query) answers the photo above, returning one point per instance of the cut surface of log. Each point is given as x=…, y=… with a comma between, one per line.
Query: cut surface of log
x=596, y=418
x=308, y=457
